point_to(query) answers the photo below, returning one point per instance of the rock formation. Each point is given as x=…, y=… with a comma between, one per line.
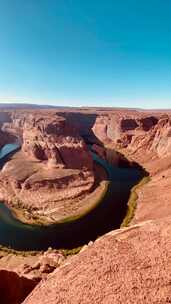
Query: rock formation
x=19, y=274
x=125, y=266
x=54, y=164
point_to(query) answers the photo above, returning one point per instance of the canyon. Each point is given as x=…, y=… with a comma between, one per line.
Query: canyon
x=54, y=169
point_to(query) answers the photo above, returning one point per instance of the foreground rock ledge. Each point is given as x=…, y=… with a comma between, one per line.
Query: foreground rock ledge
x=20, y=272
x=131, y=265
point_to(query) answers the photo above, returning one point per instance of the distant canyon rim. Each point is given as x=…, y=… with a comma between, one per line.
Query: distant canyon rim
x=55, y=168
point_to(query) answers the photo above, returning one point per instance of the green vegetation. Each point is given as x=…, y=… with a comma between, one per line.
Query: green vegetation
x=68, y=252
x=132, y=202
x=9, y=250
x=27, y=216
x=96, y=202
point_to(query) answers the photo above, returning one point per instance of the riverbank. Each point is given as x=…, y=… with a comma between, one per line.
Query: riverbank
x=132, y=202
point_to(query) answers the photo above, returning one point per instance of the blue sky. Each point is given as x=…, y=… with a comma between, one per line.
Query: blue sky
x=86, y=53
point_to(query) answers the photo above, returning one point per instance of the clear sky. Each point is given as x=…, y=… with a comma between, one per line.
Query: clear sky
x=86, y=52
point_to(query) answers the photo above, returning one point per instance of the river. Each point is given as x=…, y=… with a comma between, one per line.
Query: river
x=107, y=216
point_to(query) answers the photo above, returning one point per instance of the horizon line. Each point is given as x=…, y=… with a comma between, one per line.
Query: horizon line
x=23, y=103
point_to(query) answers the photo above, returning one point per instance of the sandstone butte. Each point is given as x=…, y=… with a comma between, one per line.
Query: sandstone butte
x=128, y=265
x=53, y=176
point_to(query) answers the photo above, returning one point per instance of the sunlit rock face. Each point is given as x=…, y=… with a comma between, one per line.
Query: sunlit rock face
x=56, y=141
x=140, y=132
x=162, y=139
x=124, y=266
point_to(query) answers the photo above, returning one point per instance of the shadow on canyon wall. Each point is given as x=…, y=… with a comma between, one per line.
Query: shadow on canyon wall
x=84, y=122
x=14, y=288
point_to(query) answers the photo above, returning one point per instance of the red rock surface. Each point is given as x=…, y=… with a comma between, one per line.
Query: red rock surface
x=53, y=139
x=154, y=197
x=130, y=265
x=19, y=274
x=31, y=265
x=139, y=134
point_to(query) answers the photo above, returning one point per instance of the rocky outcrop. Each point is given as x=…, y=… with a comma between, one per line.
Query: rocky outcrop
x=19, y=274
x=47, y=137
x=5, y=137
x=136, y=133
x=53, y=139
x=32, y=265
x=125, y=266
x=162, y=139
x=121, y=128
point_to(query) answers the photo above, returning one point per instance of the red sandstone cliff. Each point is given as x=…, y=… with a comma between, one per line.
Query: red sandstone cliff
x=53, y=139
x=138, y=135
